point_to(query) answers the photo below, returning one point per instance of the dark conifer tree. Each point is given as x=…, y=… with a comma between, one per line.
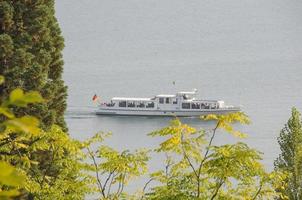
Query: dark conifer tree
x=31, y=56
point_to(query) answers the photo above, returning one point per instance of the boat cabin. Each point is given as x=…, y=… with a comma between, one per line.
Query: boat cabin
x=179, y=101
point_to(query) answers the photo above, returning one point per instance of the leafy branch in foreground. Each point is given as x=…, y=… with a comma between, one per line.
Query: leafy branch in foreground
x=195, y=167
x=13, y=131
x=24, y=171
x=114, y=169
x=10, y=180
x=198, y=169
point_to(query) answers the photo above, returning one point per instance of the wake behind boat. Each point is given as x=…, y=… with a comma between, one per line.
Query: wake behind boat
x=182, y=104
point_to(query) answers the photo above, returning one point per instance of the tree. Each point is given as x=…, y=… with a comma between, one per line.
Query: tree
x=31, y=58
x=197, y=169
x=113, y=169
x=24, y=145
x=290, y=158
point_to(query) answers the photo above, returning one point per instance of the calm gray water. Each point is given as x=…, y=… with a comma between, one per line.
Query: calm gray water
x=245, y=52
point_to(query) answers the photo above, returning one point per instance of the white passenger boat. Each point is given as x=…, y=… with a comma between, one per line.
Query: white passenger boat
x=180, y=104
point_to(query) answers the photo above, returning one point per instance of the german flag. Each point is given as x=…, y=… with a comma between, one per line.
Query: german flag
x=95, y=98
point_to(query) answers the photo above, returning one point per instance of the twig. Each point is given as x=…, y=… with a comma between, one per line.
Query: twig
x=205, y=157
x=119, y=187
x=110, y=174
x=217, y=189
x=97, y=173
x=188, y=159
x=111, y=182
x=145, y=186
x=258, y=192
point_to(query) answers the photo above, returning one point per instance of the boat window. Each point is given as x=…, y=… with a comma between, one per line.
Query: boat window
x=206, y=106
x=140, y=104
x=122, y=104
x=161, y=100
x=195, y=106
x=130, y=104
x=111, y=104
x=167, y=100
x=185, y=105
x=150, y=105
x=213, y=106
x=174, y=101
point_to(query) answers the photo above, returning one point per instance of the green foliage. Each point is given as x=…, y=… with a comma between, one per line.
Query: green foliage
x=225, y=122
x=31, y=58
x=18, y=98
x=1, y=80
x=197, y=169
x=194, y=167
x=290, y=159
x=25, y=145
x=62, y=176
x=11, y=178
x=115, y=169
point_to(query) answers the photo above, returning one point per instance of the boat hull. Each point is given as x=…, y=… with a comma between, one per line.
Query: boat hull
x=178, y=113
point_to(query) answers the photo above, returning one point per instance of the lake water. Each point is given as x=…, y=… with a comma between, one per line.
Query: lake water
x=246, y=52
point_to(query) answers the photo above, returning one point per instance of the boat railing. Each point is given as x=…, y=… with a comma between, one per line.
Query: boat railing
x=111, y=104
x=232, y=107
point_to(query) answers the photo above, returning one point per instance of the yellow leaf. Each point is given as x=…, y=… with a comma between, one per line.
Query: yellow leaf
x=16, y=95
x=26, y=124
x=21, y=145
x=6, y=112
x=9, y=175
x=1, y=80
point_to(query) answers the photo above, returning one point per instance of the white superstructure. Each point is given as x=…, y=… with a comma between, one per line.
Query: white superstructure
x=180, y=104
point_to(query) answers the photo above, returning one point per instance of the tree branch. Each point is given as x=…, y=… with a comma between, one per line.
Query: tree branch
x=210, y=144
x=205, y=158
x=217, y=189
x=258, y=192
x=97, y=173
x=187, y=157
x=111, y=182
x=150, y=180
x=119, y=187
x=109, y=176
x=121, y=184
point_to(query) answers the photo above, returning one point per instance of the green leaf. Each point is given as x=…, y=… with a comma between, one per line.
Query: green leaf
x=16, y=95
x=1, y=80
x=25, y=124
x=8, y=194
x=6, y=112
x=5, y=168
x=19, y=98
x=9, y=175
x=32, y=97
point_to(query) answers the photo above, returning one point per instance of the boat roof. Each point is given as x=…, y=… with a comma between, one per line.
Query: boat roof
x=130, y=99
x=159, y=96
x=166, y=95
x=194, y=91
x=181, y=93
